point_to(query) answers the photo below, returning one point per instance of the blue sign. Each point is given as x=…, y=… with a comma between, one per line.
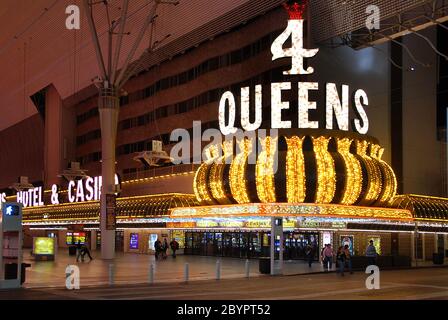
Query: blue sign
x=12, y=210
x=12, y=216
x=133, y=241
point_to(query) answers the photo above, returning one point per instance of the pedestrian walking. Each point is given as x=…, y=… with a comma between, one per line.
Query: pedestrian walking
x=79, y=251
x=348, y=258
x=371, y=254
x=328, y=257
x=157, y=248
x=340, y=257
x=85, y=251
x=309, y=253
x=174, y=247
x=165, y=248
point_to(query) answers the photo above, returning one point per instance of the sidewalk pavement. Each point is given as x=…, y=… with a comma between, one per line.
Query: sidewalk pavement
x=134, y=269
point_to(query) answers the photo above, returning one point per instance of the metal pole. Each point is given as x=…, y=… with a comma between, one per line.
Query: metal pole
x=118, y=83
x=111, y=274
x=19, y=258
x=151, y=273
x=272, y=245
x=119, y=40
x=416, y=245
x=247, y=267
x=1, y=243
x=280, y=270
x=186, y=272
x=95, y=40
x=218, y=269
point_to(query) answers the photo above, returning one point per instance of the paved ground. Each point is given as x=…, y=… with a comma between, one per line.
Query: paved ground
x=134, y=269
x=416, y=284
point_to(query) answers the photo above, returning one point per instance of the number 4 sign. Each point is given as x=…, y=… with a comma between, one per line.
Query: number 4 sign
x=296, y=52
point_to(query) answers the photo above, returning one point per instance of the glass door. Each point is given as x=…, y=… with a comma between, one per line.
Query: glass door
x=227, y=244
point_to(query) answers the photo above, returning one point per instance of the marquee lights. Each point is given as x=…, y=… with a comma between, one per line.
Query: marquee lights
x=293, y=210
x=238, y=184
x=353, y=172
x=265, y=170
x=295, y=170
x=199, y=181
x=374, y=184
x=390, y=186
x=326, y=174
x=216, y=176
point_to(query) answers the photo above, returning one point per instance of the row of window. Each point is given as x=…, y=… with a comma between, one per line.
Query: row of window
x=207, y=97
x=159, y=113
x=142, y=145
x=212, y=64
x=91, y=135
x=273, y=75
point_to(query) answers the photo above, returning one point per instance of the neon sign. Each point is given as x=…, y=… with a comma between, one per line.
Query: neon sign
x=336, y=105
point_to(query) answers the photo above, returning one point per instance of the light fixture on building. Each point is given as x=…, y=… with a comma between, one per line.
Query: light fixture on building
x=22, y=184
x=155, y=157
x=74, y=172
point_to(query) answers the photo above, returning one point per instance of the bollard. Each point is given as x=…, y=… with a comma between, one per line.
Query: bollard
x=151, y=273
x=218, y=269
x=186, y=272
x=247, y=268
x=111, y=274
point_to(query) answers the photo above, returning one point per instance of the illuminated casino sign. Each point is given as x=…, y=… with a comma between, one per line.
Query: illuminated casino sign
x=88, y=189
x=308, y=164
x=336, y=105
x=31, y=197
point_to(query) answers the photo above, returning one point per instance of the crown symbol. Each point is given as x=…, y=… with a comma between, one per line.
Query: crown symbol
x=295, y=11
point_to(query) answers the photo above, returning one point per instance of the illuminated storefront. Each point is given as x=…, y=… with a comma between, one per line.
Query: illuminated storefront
x=326, y=177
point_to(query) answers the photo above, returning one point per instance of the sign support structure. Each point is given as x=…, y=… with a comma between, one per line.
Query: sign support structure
x=276, y=234
x=11, y=240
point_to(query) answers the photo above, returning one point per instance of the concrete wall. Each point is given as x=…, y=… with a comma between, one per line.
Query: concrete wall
x=22, y=151
x=421, y=150
x=366, y=69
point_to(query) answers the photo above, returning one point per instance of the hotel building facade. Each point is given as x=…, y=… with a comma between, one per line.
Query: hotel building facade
x=406, y=216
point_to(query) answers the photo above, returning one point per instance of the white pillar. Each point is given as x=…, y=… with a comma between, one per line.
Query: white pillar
x=108, y=104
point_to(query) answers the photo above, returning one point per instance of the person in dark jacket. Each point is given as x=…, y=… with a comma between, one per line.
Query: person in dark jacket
x=309, y=253
x=340, y=257
x=85, y=251
x=157, y=248
x=174, y=247
x=165, y=248
x=79, y=251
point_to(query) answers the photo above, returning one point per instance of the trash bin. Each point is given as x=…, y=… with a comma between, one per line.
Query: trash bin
x=72, y=251
x=437, y=258
x=11, y=271
x=264, y=265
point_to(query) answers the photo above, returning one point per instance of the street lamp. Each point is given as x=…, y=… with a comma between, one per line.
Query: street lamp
x=110, y=84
